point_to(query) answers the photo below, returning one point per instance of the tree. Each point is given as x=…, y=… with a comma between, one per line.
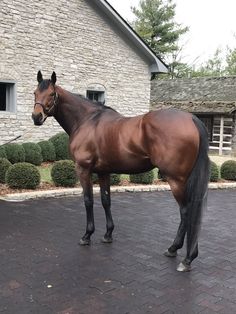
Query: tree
x=231, y=62
x=155, y=24
x=214, y=66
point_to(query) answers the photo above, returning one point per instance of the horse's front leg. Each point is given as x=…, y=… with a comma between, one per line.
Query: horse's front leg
x=86, y=182
x=104, y=182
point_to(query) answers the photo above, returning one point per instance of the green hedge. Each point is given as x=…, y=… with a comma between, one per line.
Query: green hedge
x=33, y=153
x=63, y=173
x=61, y=145
x=3, y=153
x=228, y=170
x=15, y=152
x=115, y=179
x=47, y=150
x=142, y=178
x=214, y=172
x=23, y=176
x=4, y=165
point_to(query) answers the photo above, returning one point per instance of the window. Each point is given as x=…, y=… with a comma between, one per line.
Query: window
x=96, y=96
x=208, y=122
x=96, y=92
x=7, y=96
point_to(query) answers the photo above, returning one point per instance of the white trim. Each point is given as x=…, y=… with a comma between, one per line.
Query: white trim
x=221, y=135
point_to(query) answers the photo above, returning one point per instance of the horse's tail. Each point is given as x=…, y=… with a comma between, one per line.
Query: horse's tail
x=196, y=189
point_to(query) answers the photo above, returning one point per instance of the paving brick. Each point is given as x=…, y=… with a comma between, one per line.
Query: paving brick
x=44, y=270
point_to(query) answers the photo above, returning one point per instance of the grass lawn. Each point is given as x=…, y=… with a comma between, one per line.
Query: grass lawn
x=45, y=172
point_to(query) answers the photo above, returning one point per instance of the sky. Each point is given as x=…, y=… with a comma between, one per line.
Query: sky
x=212, y=25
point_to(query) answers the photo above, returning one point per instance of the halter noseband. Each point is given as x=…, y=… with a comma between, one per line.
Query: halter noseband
x=55, y=102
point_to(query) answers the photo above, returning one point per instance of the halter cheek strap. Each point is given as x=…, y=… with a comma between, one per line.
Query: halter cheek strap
x=55, y=102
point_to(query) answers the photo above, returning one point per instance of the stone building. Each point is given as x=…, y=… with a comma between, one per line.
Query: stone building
x=213, y=100
x=92, y=49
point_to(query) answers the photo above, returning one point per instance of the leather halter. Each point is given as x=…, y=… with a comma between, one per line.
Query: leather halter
x=55, y=102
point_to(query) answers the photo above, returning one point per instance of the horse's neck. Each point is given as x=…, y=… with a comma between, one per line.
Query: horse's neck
x=71, y=111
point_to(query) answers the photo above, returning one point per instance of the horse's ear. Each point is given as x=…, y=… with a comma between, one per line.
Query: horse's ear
x=39, y=77
x=53, y=78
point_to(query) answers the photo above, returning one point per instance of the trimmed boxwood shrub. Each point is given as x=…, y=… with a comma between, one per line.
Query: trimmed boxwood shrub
x=4, y=165
x=63, y=173
x=115, y=179
x=15, y=153
x=214, y=172
x=94, y=178
x=143, y=178
x=61, y=145
x=33, y=153
x=3, y=153
x=228, y=170
x=23, y=175
x=47, y=150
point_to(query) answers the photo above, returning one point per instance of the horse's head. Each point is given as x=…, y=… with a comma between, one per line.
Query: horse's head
x=46, y=99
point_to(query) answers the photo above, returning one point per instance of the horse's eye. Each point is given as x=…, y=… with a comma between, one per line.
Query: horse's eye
x=52, y=94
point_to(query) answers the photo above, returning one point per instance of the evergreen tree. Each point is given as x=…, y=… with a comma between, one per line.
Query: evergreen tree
x=155, y=24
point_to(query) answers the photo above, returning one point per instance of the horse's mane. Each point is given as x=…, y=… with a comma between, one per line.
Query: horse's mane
x=99, y=104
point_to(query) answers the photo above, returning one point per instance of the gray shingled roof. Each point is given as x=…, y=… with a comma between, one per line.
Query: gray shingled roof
x=221, y=107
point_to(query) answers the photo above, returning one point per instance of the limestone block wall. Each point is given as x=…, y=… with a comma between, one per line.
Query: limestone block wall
x=75, y=39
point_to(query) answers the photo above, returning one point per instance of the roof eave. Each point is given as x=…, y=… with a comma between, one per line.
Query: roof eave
x=156, y=64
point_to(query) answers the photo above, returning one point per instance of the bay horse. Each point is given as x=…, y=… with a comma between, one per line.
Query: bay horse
x=103, y=141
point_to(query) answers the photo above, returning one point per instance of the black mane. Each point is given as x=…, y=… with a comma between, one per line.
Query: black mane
x=96, y=103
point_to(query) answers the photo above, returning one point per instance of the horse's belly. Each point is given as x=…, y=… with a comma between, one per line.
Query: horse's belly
x=124, y=165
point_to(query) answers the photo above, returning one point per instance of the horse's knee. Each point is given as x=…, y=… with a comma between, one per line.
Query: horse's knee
x=106, y=201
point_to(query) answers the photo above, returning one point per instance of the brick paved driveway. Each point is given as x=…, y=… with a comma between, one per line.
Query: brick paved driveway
x=43, y=270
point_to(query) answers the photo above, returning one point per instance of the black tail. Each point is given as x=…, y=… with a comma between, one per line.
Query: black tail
x=196, y=190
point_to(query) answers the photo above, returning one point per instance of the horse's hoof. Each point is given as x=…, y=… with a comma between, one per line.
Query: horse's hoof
x=183, y=267
x=170, y=254
x=107, y=240
x=84, y=242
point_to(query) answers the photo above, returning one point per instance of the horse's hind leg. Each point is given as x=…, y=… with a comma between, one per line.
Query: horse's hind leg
x=104, y=182
x=179, y=239
x=178, y=192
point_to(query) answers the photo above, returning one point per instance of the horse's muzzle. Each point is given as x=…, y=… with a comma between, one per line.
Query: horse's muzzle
x=38, y=118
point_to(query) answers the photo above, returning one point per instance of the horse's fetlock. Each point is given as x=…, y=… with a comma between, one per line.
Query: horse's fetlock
x=90, y=228
x=110, y=226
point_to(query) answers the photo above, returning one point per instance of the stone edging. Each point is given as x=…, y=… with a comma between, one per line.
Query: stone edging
x=17, y=197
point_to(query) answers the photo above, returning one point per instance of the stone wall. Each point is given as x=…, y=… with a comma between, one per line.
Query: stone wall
x=75, y=39
x=195, y=89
